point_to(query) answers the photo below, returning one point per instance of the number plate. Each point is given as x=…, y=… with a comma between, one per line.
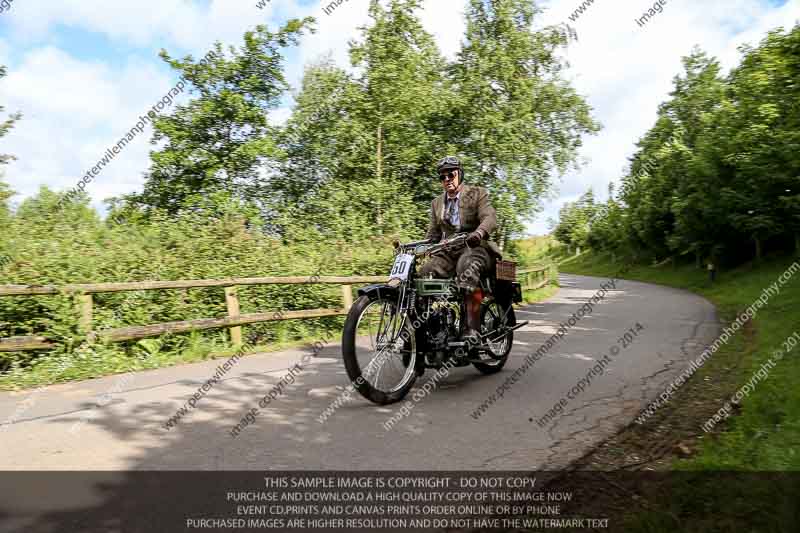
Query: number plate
x=402, y=266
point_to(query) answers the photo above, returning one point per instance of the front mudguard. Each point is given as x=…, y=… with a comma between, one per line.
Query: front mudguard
x=377, y=290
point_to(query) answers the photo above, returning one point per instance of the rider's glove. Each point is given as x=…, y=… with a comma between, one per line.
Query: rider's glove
x=474, y=239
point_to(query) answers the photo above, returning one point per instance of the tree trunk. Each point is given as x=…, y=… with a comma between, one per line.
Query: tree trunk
x=379, y=174
x=698, y=261
x=758, y=249
x=379, y=158
x=500, y=234
x=797, y=243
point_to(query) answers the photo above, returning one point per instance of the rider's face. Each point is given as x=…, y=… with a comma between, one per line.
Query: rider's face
x=450, y=180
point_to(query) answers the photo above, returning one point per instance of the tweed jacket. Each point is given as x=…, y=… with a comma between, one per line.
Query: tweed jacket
x=476, y=214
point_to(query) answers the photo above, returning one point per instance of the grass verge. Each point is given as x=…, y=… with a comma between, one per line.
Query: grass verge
x=537, y=295
x=96, y=361
x=763, y=435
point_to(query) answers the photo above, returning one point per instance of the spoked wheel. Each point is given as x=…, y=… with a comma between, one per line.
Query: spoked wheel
x=379, y=350
x=494, y=317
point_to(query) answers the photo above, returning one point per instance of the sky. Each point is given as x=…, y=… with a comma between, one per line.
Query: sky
x=82, y=71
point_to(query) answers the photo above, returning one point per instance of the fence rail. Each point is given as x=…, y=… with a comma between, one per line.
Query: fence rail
x=540, y=276
x=82, y=293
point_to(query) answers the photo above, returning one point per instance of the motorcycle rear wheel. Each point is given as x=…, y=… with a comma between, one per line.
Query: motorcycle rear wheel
x=375, y=328
x=494, y=316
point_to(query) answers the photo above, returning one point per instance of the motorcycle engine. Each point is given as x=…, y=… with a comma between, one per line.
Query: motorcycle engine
x=443, y=323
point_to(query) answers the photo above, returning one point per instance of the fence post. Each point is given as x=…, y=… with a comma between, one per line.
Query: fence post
x=232, y=301
x=85, y=306
x=347, y=296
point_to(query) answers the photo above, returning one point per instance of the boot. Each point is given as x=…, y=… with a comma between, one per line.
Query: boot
x=472, y=303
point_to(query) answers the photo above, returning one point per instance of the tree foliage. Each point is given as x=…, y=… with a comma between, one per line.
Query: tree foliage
x=220, y=139
x=356, y=155
x=575, y=219
x=718, y=175
x=6, y=124
x=517, y=120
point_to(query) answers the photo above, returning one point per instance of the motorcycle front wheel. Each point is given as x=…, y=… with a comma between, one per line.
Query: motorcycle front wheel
x=379, y=349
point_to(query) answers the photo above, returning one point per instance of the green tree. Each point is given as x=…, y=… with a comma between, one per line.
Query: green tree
x=720, y=165
x=575, y=220
x=517, y=121
x=404, y=95
x=5, y=127
x=607, y=230
x=219, y=140
x=320, y=141
x=6, y=124
x=360, y=148
x=763, y=136
x=667, y=194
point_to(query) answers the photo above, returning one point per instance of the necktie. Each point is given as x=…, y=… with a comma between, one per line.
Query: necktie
x=451, y=211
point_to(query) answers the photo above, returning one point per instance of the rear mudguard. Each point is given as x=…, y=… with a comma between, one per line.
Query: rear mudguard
x=508, y=293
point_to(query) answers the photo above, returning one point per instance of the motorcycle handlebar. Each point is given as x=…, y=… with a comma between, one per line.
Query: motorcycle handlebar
x=429, y=246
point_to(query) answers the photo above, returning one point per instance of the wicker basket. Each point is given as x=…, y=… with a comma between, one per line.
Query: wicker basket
x=507, y=270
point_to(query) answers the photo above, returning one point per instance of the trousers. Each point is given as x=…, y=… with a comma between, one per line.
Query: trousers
x=468, y=265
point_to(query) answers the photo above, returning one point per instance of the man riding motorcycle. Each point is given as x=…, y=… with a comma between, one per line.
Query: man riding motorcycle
x=462, y=208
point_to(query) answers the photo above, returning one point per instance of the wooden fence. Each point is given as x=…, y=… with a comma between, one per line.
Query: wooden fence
x=530, y=279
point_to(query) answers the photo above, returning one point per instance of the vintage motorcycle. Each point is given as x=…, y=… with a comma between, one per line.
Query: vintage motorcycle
x=396, y=330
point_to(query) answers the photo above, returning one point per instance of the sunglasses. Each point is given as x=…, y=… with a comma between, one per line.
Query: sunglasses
x=451, y=175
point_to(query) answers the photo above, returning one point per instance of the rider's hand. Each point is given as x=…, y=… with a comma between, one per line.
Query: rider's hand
x=474, y=239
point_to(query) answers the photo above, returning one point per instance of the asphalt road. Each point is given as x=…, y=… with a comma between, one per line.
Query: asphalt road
x=124, y=416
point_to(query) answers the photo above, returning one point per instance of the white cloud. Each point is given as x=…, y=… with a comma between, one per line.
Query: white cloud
x=625, y=70
x=144, y=23
x=76, y=107
x=444, y=19
x=72, y=112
